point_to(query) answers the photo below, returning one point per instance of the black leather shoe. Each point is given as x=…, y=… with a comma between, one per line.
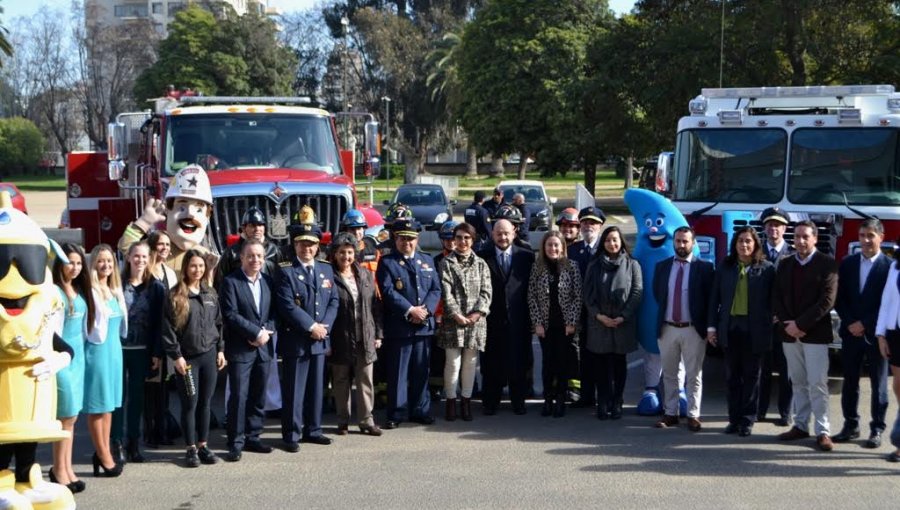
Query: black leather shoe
x=874, y=440
x=847, y=433
x=118, y=452
x=257, y=447
x=519, y=409
x=781, y=422
x=745, y=430
x=191, y=459
x=424, y=420
x=206, y=455
x=133, y=452
x=322, y=440
x=488, y=410
x=547, y=409
x=233, y=455
x=291, y=447
x=732, y=428
x=391, y=425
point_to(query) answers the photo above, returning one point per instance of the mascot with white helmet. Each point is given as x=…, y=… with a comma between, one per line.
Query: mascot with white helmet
x=31, y=314
x=186, y=212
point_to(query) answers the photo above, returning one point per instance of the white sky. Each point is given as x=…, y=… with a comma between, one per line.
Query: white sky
x=14, y=8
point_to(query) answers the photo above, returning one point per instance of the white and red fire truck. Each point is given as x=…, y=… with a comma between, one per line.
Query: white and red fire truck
x=830, y=154
x=273, y=153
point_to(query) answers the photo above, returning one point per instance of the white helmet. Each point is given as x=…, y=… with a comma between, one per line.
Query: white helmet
x=190, y=182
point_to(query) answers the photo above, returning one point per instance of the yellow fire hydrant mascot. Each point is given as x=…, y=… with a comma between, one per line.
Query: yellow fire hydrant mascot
x=30, y=320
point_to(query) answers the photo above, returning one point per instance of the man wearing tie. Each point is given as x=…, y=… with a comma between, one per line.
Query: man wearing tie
x=682, y=285
x=411, y=288
x=861, y=279
x=307, y=304
x=246, y=298
x=507, y=354
x=775, y=223
x=590, y=220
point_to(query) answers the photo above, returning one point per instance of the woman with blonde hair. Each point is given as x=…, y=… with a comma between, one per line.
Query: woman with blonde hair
x=554, y=304
x=103, y=357
x=191, y=336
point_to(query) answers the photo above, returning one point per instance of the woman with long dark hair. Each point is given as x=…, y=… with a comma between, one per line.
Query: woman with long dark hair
x=613, y=287
x=554, y=304
x=740, y=314
x=144, y=296
x=192, y=338
x=103, y=358
x=74, y=285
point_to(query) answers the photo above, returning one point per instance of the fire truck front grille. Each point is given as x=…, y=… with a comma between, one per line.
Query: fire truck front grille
x=228, y=212
x=827, y=233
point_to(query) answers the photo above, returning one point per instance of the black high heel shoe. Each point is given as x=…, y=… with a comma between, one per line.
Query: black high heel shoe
x=107, y=472
x=75, y=487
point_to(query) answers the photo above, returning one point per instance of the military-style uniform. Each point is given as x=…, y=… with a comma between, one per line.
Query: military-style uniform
x=405, y=283
x=303, y=299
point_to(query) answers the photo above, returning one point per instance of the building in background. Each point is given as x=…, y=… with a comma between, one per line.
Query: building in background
x=162, y=12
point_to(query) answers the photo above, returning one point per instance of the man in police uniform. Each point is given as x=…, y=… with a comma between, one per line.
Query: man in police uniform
x=478, y=217
x=354, y=222
x=396, y=211
x=411, y=289
x=307, y=303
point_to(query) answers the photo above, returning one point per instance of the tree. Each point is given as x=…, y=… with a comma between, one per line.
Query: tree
x=5, y=46
x=306, y=33
x=21, y=145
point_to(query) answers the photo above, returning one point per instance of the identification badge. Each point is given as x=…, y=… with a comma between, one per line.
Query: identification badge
x=398, y=285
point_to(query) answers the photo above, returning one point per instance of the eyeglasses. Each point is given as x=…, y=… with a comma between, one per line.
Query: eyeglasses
x=466, y=238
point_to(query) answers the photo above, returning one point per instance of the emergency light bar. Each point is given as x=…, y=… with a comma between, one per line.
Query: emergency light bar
x=243, y=100
x=811, y=91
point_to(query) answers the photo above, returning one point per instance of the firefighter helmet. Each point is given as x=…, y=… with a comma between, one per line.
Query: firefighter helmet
x=446, y=230
x=508, y=212
x=568, y=215
x=253, y=216
x=190, y=182
x=397, y=211
x=354, y=218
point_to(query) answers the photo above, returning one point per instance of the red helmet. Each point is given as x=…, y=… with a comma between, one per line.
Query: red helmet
x=568, y=215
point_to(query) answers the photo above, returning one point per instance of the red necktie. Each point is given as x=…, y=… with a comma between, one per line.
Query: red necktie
x=676, y=302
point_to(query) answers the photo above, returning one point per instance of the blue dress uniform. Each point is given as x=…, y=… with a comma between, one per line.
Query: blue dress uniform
x=302, y=300
x=404, y=283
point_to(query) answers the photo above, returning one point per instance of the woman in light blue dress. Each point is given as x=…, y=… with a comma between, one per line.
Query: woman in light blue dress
x=74, y=284
x=103, y=357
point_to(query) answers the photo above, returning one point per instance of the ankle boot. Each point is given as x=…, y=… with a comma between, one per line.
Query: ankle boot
x=133, y=452
x=547, y=410
x=616, y=412
x=118, y=453
x=560, y=409
x=466, y=409
x=450, y=414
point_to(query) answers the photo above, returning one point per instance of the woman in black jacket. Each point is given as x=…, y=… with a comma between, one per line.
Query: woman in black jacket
x=192, y=339
x=355, y=336
x=740, y=318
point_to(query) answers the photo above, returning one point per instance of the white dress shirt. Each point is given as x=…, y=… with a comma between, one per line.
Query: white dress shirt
x=889, y=312
x=865, y=267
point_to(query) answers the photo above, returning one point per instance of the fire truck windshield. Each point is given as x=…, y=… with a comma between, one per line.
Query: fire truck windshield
x=852, y=165
x=730, y=165
x=222, y=141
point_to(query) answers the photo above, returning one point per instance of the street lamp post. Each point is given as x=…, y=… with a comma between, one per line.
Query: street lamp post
x=385, y=152
x=345, y=27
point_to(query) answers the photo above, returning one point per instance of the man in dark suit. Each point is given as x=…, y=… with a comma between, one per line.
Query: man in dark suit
x=590, y=221
x=477, y=216
x=775, y=222
x=861, y=279
x=246, y=299
x=682, y=285
x=307, y=304
x=410, y=288
x=507, y=354
x=802, y=298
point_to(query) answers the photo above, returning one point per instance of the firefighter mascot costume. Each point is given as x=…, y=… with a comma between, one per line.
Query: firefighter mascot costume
x=30, y=320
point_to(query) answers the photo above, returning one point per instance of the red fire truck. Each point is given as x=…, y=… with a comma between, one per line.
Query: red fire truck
x=830, y=154
x=276, y=153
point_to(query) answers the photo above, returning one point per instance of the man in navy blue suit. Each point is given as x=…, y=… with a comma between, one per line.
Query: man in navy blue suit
x=861, y=279
x=682, y=285
x=307, y=305
x=411, y=289
x=246, y=301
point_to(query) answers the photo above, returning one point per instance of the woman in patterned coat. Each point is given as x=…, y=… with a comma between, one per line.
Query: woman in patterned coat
x=554, y=303
x=466, y=285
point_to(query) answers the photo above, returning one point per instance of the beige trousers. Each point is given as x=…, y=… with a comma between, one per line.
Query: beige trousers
x=365, y=392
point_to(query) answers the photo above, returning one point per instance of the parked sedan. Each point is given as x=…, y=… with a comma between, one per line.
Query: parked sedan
x=539, y=204
x=428, y=202
x=18, y=199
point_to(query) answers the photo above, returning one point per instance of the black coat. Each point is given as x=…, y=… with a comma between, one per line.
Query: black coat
x=356, y=327
x=812, y=311
x=242, y=322
x=759, y=303
x=508, y=327
x=853, y=305
x=201, y=332
x=700, y=282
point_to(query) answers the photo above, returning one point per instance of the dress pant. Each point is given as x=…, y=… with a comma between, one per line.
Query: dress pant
x=407, y=364
x=677, y=345
x=342, y=379
x=135, y=366
x=808, y=370
x=246, y=401
x=854, y=352
x=301, y=397
x=610, y=370
x=773, y=361
x=742, y=368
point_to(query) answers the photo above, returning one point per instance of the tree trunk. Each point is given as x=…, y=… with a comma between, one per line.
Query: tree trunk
x=523, y=165
x=497, y=169
x=590, y=176
x=629, y=171
x=411, y=168
x=471, y=160
x=794, y=42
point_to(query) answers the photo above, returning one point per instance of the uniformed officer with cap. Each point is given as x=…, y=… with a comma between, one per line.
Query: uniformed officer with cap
x=590, y=220
x=307, y=303
x=477, y=216
x=410, y=289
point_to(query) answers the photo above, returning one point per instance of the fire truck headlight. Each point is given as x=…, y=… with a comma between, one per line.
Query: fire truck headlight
x=893, y=104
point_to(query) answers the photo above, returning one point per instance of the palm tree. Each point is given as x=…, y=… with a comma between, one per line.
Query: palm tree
x=5, y=46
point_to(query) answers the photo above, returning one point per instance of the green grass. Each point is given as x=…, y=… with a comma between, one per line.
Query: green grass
x=36, y=182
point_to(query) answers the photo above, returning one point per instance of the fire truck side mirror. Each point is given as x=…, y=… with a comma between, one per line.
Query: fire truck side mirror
x=373, y=149
x=116, y=150
x=663, y=171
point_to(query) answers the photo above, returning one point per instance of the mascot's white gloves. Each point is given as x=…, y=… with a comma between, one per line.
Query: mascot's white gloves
x=154, y=212
x=52, y=364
